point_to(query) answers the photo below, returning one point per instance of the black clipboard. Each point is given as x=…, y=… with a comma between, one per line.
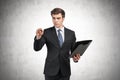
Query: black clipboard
x=80, y=47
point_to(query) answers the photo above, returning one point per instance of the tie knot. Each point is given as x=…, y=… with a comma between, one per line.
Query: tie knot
x=59, y=30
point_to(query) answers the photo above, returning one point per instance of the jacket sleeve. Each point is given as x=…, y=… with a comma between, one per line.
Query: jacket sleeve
x=73, y=42
x=38, y=44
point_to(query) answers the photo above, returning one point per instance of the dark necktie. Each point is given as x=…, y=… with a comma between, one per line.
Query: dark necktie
x=60, y=38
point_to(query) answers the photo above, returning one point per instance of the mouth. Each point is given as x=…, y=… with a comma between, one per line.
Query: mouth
x=56, y=24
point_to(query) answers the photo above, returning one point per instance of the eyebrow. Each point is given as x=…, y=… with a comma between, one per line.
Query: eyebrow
x=57, y=17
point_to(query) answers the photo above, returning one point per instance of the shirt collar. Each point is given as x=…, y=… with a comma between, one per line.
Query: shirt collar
x=62, y=29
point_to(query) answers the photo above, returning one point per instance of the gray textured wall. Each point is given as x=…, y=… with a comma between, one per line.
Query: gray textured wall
x=98, y=20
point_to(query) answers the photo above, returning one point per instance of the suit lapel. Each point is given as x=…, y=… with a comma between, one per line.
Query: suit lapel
x=55, y=38
x=66, y=34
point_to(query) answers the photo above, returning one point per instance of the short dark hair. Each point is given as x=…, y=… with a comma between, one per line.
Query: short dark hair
x=57, y=11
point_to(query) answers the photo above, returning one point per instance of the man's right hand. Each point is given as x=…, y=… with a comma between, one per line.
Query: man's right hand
x=39, y=33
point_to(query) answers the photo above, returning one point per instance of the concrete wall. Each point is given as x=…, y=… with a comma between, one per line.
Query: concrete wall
x=98, y=20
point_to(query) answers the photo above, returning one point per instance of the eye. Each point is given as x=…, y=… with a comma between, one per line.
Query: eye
x=53, y=17
x=58, y=18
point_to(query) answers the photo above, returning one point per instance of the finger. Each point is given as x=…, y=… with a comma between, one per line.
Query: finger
x=78, y=56
x=39, y=31
x=75, y=58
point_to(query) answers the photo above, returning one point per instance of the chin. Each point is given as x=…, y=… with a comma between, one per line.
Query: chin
x=57, y=26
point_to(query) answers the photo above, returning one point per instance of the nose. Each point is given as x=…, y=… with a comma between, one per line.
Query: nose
x=56, y=20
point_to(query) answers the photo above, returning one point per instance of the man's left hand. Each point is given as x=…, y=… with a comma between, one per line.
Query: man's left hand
x=76, y=57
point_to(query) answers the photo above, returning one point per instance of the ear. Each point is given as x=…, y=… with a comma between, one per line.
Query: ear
x=63, y=19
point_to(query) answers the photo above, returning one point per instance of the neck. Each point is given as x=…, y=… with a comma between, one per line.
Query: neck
x=59, y=27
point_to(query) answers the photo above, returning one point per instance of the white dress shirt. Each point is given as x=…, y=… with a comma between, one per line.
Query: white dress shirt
x=62, y=32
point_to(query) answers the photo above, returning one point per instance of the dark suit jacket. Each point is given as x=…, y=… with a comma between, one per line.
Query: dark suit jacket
x=57, y=57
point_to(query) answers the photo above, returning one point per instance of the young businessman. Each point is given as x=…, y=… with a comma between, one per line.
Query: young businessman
x=59, y=41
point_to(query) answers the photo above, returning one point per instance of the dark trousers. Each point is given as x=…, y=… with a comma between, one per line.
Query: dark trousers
x=59, y=76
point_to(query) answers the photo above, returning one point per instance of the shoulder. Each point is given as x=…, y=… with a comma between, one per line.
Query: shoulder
x=49, y=29
x=69, y=30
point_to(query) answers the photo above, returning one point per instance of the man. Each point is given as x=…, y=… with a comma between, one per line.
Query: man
x=59, y=41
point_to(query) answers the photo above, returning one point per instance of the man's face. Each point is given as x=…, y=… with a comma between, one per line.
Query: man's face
x=57, y=20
